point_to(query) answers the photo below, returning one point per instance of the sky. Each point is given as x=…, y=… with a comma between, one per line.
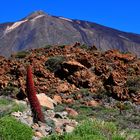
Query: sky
x=119, y=14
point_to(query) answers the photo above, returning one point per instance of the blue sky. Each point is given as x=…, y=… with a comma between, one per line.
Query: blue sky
x=120, y=14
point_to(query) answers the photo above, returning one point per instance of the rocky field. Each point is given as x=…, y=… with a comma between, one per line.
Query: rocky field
x=73, y=83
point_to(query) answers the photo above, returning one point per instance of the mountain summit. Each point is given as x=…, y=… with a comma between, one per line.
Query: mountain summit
x=36, y=14
x=39, y=29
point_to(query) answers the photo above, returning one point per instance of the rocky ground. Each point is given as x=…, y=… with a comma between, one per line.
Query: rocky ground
x=72, y=81
x=55, y=122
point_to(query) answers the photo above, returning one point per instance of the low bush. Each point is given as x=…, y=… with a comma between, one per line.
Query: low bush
x=53, y=63
x=133, y=84
x=11, y=129
x=8, y=106
x=48, y=46
x=21, y=54
x=9, y=91
x=84, y=47
x=91, y=130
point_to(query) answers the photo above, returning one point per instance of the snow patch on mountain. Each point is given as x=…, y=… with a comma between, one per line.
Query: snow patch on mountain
x=37, y=17
x=124, y=37
x=65, y=19
x=14, y=26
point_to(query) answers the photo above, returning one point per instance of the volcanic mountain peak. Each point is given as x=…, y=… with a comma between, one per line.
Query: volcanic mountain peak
x=40, y=29
x=32, y=17
x=35, y=14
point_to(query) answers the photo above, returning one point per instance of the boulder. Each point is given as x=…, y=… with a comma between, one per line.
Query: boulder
x=62, y=88
x=83, y=78
x=46, y=101
x=116, y=54
x=116, y=78
x=68, y=101
x=73, y=66
x=38, y=134
x=92, y=103
x=71, y=112
x=120, y=93
x=57, y=99
x=68, y=129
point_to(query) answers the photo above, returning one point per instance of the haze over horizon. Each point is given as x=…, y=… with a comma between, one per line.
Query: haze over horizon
x=121, y=15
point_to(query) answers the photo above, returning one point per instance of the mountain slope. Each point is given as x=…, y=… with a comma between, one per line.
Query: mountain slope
x=39, y=29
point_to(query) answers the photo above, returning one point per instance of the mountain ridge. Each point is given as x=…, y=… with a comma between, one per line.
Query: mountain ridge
x=39, y=29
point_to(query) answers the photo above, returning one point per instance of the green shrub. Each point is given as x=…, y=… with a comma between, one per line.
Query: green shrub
x=10, y=90
x=84, y=93
x=18, y=107
x=101, y=94
x=53, y=63
x=62, y=46
x=4, y=102
x=91, y=130
x=133, y=84
x=11, y=129
x=48, y=46
x=130, y=71
x=94, y=129
x=84, y=47
x=21, y=54
x=8, y=106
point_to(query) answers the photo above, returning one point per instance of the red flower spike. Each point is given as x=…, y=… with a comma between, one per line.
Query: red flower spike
x=33, y=100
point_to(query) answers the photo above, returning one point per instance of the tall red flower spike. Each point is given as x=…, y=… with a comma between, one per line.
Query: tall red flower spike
x=33, y=100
